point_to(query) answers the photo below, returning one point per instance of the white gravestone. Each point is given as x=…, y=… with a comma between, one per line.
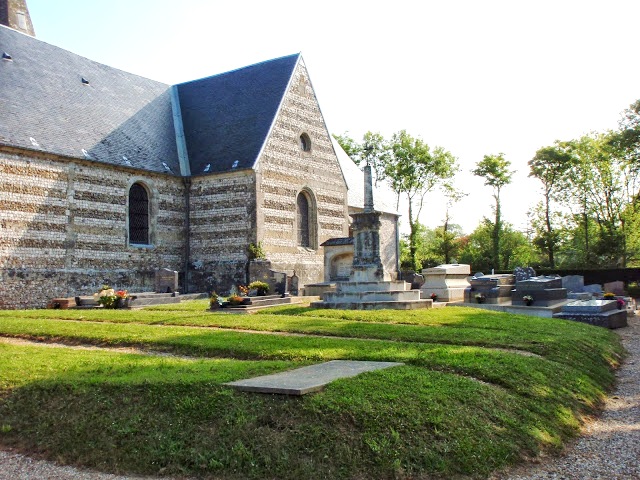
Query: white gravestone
x=447, y=281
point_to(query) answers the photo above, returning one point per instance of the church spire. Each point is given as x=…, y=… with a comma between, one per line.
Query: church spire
x=15, y=14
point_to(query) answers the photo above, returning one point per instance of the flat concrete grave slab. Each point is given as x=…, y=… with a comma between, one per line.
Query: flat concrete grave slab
x=308, y=379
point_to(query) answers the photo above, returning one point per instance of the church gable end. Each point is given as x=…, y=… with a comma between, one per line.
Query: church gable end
x=298, y=159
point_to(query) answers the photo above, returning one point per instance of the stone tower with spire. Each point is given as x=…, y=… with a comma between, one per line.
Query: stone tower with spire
x=15, y=14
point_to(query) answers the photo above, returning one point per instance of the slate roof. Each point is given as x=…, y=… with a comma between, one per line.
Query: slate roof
x=116, y=115
x=227, y=117
x=338, y=241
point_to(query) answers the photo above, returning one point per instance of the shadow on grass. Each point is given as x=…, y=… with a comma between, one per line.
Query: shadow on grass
x=130, y=414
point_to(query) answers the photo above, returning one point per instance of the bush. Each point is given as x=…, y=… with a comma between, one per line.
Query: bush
x=261, y=287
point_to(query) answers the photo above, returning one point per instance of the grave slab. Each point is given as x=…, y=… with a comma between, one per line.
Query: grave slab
x=308, y=379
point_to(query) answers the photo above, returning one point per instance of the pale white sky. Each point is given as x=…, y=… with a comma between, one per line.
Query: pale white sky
x=475, y=77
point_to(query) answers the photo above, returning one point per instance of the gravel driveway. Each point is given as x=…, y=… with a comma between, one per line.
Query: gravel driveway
x=610, y=446
x=608, y=449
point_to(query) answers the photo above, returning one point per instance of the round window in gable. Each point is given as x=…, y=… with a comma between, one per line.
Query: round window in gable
x=305, y=142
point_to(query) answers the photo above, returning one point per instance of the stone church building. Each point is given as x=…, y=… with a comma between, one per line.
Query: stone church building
x=106, y=176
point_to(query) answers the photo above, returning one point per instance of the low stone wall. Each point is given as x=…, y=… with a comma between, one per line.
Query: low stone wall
x=33, y=288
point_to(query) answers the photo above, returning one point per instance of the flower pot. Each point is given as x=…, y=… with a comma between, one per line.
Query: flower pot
x=528, y=303
x=121, y=303
x=480, y=300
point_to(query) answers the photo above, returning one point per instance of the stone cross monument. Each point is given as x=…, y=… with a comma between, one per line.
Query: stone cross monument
x=367, y=266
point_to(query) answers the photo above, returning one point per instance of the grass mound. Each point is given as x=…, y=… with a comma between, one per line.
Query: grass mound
x=478, y=391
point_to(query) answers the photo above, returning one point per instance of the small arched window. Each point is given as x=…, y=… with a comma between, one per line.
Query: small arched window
x=138, y=215
x=304, y=235
x=305, y=142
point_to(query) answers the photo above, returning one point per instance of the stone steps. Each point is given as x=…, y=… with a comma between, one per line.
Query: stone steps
x=392, y=295
x=257, y=303
x=391, y=286
x=372, y=296
x=376, y=305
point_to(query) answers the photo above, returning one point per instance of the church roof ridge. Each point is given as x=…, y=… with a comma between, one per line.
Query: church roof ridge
x=239, y=69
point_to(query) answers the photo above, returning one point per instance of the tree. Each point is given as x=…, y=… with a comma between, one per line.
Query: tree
x=447, y=241
x=423, y=241
x=515, y=249
x=495, y=171
x=604, y=184
x=374, y=150
x=414, y=169
x=629, y=132
x=550, y=165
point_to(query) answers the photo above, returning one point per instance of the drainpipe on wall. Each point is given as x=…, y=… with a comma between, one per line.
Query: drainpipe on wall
x=187, y=230
x=398, y=273
x=185, y=171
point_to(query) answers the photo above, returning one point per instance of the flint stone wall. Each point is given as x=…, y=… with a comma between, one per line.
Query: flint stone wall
x=284, y=170
x=63, y=228
x=222, y=225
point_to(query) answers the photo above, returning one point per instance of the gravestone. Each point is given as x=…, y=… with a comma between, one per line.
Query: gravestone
x=447, y=281
x=293, y=283
x=278, y=282
x=602, y=313
x=573, y=283
x=415, y=279
x=614, y=287
x=496, y=289
x=545, y=291
x=594, y=289
x=166, y=281
x=523, y=273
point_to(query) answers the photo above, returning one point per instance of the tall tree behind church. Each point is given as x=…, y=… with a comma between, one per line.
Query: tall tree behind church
x=495, y=171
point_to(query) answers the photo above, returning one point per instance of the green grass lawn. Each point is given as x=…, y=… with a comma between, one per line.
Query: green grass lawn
x=479, y=390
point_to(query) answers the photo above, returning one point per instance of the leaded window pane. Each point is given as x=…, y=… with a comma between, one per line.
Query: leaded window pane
x=138, y=215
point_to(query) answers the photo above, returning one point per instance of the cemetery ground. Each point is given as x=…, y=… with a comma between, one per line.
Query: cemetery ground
x=142, y=391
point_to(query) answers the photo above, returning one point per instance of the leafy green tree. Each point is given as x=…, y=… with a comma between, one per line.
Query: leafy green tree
x=550, y=165
x=374, y=150
x=447, y=246
x=477, y=249
x=605, y=185
x=629, y=132
x=448, y=234
x=413, y=170
x=495, y=171
x=424, y=240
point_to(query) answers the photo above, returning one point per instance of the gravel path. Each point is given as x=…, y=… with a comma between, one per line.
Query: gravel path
x=609, y=448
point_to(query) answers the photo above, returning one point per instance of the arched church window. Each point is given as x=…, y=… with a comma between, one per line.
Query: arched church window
x=304, y=237
x=138, y=215
x=305, y=142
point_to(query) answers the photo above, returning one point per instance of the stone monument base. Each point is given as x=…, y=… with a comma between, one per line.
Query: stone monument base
x=601, y=313
x=447, y=281
x=395, y=295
